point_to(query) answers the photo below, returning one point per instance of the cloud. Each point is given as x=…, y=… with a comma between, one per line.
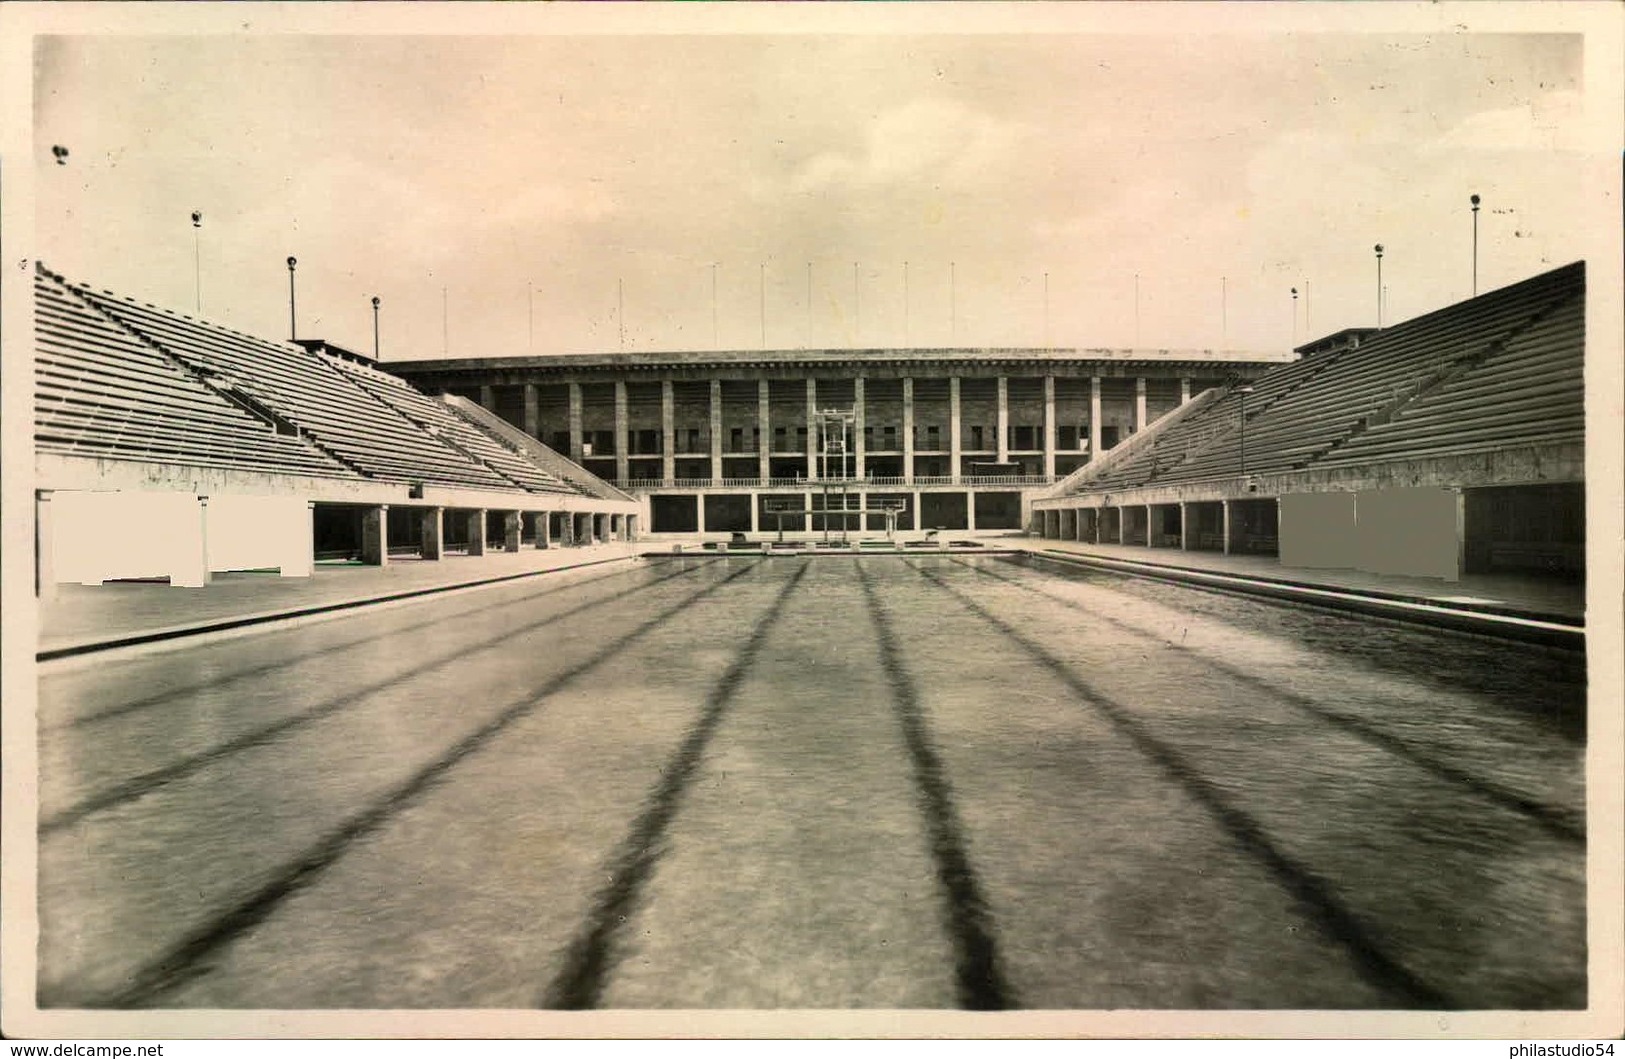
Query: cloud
x=931, y=140
x=1552, y=122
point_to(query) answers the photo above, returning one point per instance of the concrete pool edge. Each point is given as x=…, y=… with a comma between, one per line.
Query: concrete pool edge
x=1502, y=622
x=241, y=621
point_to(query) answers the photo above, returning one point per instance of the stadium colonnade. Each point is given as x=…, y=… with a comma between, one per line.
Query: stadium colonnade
x=801, y=441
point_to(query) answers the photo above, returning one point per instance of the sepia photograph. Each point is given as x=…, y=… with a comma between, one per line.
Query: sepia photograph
x=740, y=520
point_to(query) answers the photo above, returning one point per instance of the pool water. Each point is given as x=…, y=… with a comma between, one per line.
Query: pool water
x=918, y=781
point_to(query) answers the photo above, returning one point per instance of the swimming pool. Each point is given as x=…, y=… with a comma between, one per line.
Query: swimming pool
x=917, y=781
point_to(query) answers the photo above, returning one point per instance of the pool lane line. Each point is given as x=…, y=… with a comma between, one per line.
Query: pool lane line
x=177, y=632
x=1555, y=820
x=169, y=695
x=1383, y=972
x=590, y=957
x=978, y=970
x=188, y=958
x=145, y=783
x=1522, y=627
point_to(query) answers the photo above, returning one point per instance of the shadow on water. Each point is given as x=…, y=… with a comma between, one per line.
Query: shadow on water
x=1526, y=680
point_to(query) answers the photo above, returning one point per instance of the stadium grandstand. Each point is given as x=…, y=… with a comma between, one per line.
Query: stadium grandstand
x=170, y=447
x=758, y=442
x=1460, y=433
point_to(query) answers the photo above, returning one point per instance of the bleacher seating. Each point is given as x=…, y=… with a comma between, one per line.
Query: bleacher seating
x=1501, y=369
x=1529, y=390
x=306, y=389
x=101, y=392
x=565, y=469
x=453, y=430
x=1208, y=427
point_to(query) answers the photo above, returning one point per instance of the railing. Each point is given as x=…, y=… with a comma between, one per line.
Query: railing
x=849, y=483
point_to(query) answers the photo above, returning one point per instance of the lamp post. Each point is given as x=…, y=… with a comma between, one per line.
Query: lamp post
x=1244, y=391
x=375, y=327
x=1294, y=317
x=1379, y=286
x=1475, y=200
x=197, y=257
x=293, y=328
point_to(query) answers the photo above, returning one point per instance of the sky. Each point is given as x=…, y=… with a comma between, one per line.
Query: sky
x=517, y=193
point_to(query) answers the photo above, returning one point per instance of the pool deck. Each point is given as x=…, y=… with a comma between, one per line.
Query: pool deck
x=1551, y=598
x=84, y=619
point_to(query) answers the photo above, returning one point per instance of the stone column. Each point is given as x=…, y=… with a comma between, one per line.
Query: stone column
x=44, y=546
x=532, y=414
x=301, y=560
x=699, y=514
x=1139, y=404
x=764, y=429
x=511, y=531
x=476, y=532
x=919, y=515
x=1184, y=526
x=668, y=432
x=716, y=433
x=194, y=569
x=623, y=435
x=488, y=398
x=432, y=521
x=375, y=536
x=908, y=431
x=1094, y=419
x=1184, y=390
x=970, y=509
x=1002, y=426
x=859, y=417
x=812, y=430
x=575, y=421
x=954, y=445
x=1224, y=530
x=1049, y=426
x=543, y=528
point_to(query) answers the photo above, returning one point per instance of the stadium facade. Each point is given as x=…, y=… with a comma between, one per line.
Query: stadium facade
x=765, y=441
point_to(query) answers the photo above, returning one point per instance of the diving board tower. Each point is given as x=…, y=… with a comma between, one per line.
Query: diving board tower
x=835, y=426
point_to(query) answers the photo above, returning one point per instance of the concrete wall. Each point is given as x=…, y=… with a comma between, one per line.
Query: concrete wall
x=1318, y=530
x=1415, y=532
x=259, y=532
x=97, y=536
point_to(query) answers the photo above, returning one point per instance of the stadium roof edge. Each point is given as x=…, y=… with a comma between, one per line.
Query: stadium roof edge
x=736, y=358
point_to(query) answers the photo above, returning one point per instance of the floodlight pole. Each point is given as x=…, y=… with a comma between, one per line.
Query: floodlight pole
x=293, y=327
x=1475, y=201
x=375, y=303
x=1379, y=286
x=197, y=257
x=1244, y=391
